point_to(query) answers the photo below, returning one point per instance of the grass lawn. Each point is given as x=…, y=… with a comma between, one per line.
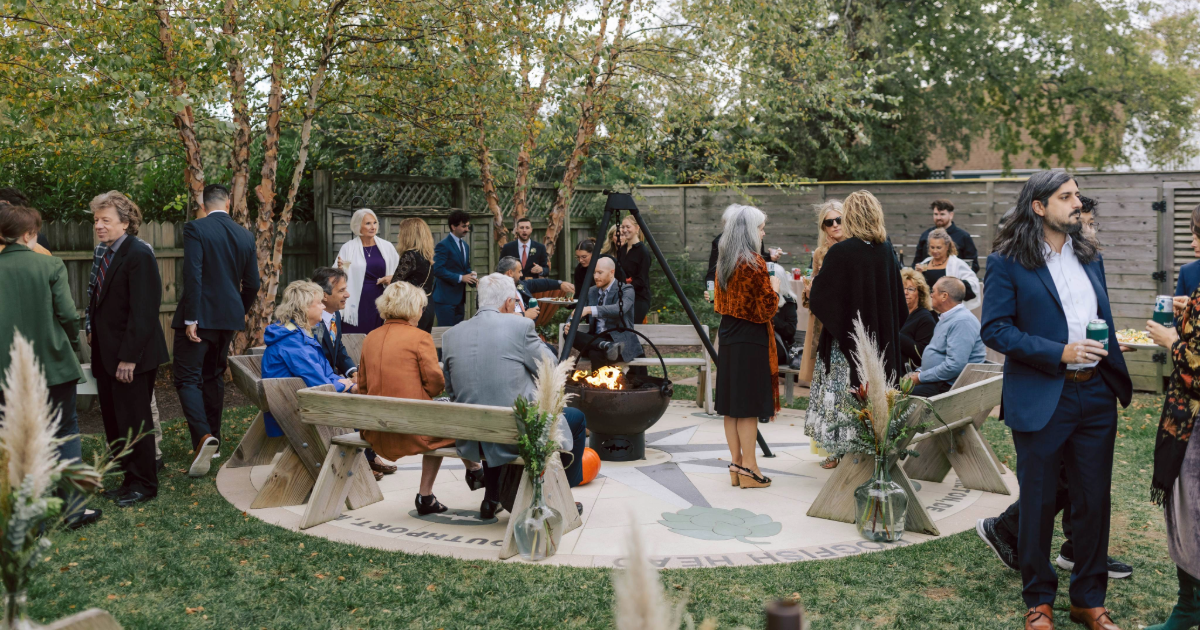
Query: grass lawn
x=190, y=560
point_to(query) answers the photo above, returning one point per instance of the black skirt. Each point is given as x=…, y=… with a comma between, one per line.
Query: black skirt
x=744, y=388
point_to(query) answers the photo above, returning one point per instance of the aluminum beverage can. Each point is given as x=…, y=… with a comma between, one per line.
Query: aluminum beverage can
x=1164, y=310
x=532, y=303
x=1097, y=329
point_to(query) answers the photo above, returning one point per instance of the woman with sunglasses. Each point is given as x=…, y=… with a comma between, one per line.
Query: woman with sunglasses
x=830, y=388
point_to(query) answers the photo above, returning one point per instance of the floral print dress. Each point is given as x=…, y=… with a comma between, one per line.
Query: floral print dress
x=828, y=402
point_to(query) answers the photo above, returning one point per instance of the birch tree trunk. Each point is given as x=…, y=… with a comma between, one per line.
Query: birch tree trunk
x=484, y=156
x=532, y=127
x=239, y=159
x=185, y=118
x=595, y=90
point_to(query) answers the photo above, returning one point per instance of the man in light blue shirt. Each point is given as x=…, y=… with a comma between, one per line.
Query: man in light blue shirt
x=955, y=342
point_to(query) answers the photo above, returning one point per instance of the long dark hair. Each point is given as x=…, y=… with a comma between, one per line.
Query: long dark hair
x=1022, y=235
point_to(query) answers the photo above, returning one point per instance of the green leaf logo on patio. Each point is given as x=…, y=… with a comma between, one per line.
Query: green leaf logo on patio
x=706, y=523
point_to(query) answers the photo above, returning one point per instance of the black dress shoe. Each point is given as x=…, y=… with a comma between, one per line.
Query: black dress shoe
x=116, y=493
x=429, y=505
x=1117, y=570
x=579, y=507
x=488, y=509
x=159, y=464
x=475, y=479
x=87, y=518
x=132, y=498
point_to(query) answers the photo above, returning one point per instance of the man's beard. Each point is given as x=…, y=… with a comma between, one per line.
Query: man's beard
x=1070, y=229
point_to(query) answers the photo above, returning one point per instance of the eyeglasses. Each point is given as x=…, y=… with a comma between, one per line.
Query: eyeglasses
x=910, y=290
x=832, y=222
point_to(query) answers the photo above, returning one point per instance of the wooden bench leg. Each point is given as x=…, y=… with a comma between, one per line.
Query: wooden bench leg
x=364, y=490
x=701, y=388
x=836, y=499
x=333, y=485
x=789, y=387
x=558, y=496
x=256, y=448
x=930, y=464
x=288, y=484
x=709, y=383
x=973, y=461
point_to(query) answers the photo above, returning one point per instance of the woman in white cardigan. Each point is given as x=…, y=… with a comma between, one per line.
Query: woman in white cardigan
x=369, y=263
x=944, y=261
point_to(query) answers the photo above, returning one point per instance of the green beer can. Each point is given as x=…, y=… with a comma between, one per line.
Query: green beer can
x=1164, y=310
x=1098, y=329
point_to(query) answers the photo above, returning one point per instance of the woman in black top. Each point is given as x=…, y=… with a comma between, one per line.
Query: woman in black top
x=917, y=330
x=415, y=245
x=583, y=258
x=786, y=320
x=633, y=264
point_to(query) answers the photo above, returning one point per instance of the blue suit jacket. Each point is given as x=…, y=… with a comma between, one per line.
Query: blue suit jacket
x=1189, y=279
x=334, y=349
x=1023, y=318
x=220, y=274
x=448, y=265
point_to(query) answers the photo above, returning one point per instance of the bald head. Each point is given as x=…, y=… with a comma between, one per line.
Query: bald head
x=606, y=270
x=947, y=293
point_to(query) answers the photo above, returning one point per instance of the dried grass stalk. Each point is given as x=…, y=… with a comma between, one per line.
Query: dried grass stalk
x=639, y=600
x=27, y=434
x=869, y=363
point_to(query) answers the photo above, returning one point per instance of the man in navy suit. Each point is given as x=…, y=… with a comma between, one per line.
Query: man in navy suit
x=220, y=284
x=329, y=332
x=1045, y=283
x=452, y=271
x=532, y=254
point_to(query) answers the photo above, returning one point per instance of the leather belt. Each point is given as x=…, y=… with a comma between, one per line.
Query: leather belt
x=1080, y=376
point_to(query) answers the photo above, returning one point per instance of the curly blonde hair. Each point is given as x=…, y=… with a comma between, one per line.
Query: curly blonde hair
x=297, y=297
x=908, y=274
x=401, y=300
x=942, y=235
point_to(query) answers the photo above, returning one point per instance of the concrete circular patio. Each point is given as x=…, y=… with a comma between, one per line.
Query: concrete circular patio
x=679, y=496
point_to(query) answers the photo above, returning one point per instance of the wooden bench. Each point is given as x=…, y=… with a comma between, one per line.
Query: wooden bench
x=791, y=378
x=972, y=457
x=836, y=499
x=672, y=335
x=321, y=407
x=256, y=448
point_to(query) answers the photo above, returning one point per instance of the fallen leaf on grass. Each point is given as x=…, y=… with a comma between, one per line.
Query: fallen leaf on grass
x=112, y=596
x=192, y=611
x=319, y=576
x=431, y=588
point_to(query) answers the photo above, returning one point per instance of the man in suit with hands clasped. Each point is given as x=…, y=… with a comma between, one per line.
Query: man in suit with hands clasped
x=452, y=270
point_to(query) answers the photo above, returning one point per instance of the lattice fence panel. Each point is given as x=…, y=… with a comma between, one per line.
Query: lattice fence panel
x=371, y=193
x=539, y=201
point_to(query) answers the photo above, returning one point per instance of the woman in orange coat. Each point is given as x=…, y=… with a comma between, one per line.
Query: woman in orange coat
x=747, y=369
x=399, y=361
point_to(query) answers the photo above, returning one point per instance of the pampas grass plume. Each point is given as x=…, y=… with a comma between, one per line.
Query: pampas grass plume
x=869, y=362
x=27, y=435
x=550, y=392
x=639, y=601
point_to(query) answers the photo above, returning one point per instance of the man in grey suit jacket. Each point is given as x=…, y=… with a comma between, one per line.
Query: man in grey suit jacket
x=605, y=314
x=491, y=359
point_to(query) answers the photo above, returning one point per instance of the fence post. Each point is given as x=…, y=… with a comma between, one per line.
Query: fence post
x=321, y=216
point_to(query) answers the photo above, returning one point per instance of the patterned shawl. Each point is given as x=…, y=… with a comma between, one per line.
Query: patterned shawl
x=1182, y=403
x=749, y=296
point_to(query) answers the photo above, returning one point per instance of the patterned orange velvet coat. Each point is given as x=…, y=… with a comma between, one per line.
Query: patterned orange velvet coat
x=749, y=296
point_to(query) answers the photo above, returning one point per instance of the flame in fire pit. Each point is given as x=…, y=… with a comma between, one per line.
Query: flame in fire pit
x=608, y=377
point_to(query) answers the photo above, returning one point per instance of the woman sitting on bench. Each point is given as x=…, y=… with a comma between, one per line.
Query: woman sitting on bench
x=399, y=361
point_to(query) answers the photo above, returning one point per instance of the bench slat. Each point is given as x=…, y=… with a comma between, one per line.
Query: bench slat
x=399, y=415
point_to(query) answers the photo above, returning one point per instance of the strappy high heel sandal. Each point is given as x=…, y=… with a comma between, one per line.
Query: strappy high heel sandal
x=433, y=507
x=752, y=480
x=733, y=474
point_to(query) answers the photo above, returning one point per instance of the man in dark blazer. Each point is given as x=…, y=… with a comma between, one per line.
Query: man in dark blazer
x=943, y=217
x=534, y=261
x=329, y=332
x=511, y=267
x=1045, y=284
x=127, y=341
x=220, y=284
x=606, y=299
x=452, y=271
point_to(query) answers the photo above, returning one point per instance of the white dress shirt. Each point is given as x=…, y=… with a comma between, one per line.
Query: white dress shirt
x=1075, y=292
x=462, y=249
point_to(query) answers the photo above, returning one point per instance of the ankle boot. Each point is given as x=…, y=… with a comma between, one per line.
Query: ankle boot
x=1186, y=614
x=612, y=350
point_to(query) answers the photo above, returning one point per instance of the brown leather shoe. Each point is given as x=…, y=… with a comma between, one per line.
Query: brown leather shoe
x=1093, y=618
x=1040, y=618
x=380, y=467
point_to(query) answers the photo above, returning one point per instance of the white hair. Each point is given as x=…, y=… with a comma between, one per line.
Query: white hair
x=740, y=242
x=494, y=289
x=357, y=218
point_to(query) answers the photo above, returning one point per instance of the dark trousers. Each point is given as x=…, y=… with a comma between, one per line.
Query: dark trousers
x=500, y=482
x=449, y=314
x=199, y=370
x=426, y=321
x=640, y=308
x=62, y=397
x=578, y=425
x=1008, y=522
x=125, y=409
x=589, y=345
x=1080, y=436
x=929, y=390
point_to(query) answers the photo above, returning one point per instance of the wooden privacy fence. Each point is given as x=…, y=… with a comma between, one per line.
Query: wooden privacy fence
x=74, y=242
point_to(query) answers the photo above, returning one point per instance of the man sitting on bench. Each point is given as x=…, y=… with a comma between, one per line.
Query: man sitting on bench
x=491, y=359
x=604, y=310
x=955, y=342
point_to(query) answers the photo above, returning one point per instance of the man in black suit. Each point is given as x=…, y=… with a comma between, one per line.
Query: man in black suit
x=127, y=341
x=329, y=332
x=532, y=254
x=220, y=283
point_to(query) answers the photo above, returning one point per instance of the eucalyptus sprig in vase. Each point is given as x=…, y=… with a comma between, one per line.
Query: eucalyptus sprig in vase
x=539, y=528
x=30, y=472
x=878, y=422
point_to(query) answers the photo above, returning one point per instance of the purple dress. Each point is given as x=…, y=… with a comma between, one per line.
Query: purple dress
x=368, y=315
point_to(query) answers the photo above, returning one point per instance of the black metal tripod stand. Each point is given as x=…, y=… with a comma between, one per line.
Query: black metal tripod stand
x=612, y=209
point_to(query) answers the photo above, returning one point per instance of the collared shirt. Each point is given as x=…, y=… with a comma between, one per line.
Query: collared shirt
x=1076, y=293
x=601, y=294
x=955, y=343
x=327, y=319
x=523, y=247
x=462, y=249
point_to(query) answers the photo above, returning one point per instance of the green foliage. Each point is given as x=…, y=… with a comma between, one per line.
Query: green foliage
x=534, y=443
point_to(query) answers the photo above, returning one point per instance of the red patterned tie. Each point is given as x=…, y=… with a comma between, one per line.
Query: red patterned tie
x=104, y=262
x=524, y=254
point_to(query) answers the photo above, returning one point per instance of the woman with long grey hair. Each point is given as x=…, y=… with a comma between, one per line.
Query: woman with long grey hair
x=747, y=366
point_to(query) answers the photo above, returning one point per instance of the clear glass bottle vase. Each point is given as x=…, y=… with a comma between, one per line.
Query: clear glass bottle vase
x=538, y=528
x=881, y=506
x=16, y=612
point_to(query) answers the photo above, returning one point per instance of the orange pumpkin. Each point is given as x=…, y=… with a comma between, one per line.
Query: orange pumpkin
x=591, y=465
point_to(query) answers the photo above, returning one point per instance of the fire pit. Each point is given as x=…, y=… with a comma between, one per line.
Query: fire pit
x=619, y=409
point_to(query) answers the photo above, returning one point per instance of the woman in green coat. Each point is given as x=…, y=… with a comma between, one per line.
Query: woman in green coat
x=37, y=303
